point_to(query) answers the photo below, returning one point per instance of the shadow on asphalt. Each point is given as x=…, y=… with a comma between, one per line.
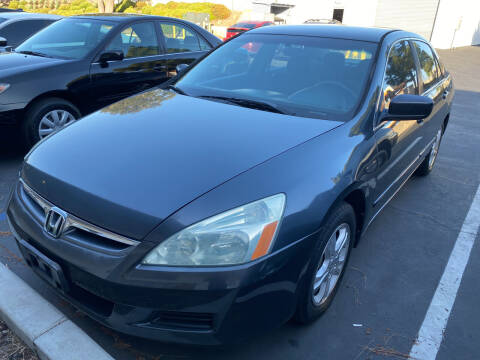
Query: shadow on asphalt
x=11, y=143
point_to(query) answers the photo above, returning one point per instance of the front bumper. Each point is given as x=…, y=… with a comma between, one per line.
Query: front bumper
x=11, y=113
x=206, y=306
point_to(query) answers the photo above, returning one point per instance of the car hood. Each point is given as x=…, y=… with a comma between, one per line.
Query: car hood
x=11, y=63
x=129, y=166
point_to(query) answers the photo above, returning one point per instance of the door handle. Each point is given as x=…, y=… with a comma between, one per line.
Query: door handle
x=161, y=68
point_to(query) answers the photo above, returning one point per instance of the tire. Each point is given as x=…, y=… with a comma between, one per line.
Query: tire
x=428, y=163
x=311, y=304
x=47, y=107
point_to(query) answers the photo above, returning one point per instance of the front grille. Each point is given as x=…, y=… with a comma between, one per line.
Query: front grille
x=75, y=229
x=183, y=320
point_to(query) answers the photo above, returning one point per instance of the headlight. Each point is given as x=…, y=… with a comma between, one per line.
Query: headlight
x=4, y=87
x=233, y=237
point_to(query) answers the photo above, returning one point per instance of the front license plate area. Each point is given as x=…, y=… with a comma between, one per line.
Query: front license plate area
x=47, y=269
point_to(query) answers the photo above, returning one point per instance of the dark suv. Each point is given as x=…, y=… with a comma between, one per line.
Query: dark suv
x=83, y=63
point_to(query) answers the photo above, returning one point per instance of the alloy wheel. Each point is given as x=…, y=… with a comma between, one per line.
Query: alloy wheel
x=331, y=264
x=53, y=121
x=434, y=152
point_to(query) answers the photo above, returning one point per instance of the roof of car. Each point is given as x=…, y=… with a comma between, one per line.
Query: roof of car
x=27, y=15
x=252, y=21
x=333, y=31
x=123, y=17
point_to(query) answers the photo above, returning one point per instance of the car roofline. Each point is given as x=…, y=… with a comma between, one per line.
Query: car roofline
x=125, y=17
x=370, y=34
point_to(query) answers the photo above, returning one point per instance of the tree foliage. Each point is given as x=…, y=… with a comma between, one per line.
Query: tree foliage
x=179, y=9
x=60, y=7
x=172, y=8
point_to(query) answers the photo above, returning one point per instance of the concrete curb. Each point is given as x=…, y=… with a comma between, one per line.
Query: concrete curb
x=41, y=325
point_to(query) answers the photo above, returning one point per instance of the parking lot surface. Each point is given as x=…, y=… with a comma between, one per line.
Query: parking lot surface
x=392, y=275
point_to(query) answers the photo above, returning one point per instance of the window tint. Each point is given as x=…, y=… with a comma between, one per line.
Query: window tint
x=204, y=45
x=441, y=68
x=245, y=25
x=19, y=31
x=180, y=39
x=69, y=38
x=136, y=41
x=400, y=73
x=427, y=64
x=305, y=76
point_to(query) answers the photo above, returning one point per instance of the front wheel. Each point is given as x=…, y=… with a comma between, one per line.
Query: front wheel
x=46, y=117
x=327, y=264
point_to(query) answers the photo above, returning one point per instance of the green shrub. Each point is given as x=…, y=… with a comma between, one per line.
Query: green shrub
x=75, y=7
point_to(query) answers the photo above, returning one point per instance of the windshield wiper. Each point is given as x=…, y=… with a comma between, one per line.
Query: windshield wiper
x=177, y=90
x=252, y=104
x=28, y=52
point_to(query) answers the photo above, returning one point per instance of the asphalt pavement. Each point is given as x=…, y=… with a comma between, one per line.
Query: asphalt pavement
x=392, y=275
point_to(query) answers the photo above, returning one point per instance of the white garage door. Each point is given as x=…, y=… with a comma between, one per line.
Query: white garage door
x=412, y=15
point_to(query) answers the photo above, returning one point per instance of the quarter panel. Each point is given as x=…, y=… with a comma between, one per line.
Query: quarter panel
x=61, y=75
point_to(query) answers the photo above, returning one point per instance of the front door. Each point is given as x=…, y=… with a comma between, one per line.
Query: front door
x=398, y=142
x=143, y=66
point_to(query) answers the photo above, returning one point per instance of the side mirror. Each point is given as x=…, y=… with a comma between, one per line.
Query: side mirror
x=409, y=107
x=181, y=67
x=110, y=56
x=3, y=41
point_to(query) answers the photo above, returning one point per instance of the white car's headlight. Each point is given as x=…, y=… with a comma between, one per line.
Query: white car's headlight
x=233, y=237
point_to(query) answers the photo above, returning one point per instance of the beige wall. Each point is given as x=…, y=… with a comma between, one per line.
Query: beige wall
x=360, y=12
x=458, y=24
x=356, y=12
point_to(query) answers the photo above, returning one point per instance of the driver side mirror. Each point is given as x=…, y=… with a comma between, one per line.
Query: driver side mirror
x=181, y=67
x=409, y=107
x=110, y=56
x=3, y=41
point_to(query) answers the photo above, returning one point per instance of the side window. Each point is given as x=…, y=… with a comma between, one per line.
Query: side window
x=138, y=40
x=19, y=31
x=441, y=68
x=400, y=73
x=428, y=64
x=179, y=38
x=204, y=45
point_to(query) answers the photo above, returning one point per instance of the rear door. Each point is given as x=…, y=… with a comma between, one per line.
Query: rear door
x=398, y=142
x=143, y=65
x=183, y=45
x=433, y=85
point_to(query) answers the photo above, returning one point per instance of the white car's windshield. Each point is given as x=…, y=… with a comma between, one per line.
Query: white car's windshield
x=297, y=75
x=68, y=38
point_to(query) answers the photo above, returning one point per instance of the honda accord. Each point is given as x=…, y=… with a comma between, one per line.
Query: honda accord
x=227, y=202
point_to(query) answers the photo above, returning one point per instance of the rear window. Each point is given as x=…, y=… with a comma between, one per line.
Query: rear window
x=245, y=25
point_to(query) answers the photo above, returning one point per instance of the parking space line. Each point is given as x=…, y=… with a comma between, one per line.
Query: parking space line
x=431, y=332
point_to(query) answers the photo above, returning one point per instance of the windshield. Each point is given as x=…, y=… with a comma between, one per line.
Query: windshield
x=67, y=38
x=299, y=75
